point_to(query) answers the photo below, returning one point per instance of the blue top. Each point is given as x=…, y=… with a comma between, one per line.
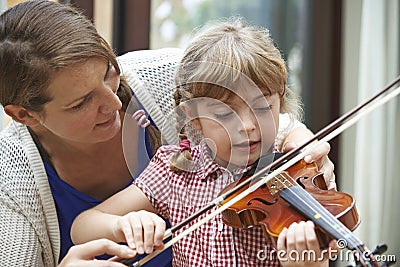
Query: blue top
x=71, y=202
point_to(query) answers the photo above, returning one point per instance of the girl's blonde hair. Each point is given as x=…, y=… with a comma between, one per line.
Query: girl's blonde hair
x=221, y=55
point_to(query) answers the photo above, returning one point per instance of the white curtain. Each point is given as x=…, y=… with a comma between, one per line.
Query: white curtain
x=370, y=158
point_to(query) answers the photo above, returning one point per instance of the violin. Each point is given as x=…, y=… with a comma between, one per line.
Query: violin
x=298, y=194
x=279, y=202
x=291, y=192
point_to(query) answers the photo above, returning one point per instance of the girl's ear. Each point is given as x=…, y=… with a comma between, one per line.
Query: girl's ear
x=189, y=114
x=21, y=115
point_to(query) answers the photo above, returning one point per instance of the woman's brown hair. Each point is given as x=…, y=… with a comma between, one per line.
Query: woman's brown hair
x=39, y=38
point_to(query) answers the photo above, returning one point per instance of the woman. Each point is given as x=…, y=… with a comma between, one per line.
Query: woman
x=63, y=153
x=61, y=84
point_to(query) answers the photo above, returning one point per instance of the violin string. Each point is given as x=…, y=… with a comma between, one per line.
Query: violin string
x=274, y=173
x=326, y=216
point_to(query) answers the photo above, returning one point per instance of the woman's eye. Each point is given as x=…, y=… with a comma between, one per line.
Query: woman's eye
x=82, y=104
x=109, y=69
x=116, y=89
x=110, y=73
x=79, y=106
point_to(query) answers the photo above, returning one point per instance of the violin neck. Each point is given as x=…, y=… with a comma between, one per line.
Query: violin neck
x=310, y=208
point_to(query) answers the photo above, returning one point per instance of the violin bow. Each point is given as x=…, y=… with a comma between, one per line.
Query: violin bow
x=327, y=133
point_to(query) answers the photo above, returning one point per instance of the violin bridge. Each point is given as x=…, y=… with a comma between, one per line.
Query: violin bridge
x=279, y=182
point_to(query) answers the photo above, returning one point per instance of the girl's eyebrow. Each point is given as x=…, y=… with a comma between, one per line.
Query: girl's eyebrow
x=215, y=103
x=262, y=96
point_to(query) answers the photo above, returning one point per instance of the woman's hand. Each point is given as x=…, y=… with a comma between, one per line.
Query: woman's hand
x=142, y=230
x=298, y=246
x=83, y=255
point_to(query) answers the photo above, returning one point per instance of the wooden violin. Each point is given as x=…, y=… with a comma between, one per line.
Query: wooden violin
x=278, y=203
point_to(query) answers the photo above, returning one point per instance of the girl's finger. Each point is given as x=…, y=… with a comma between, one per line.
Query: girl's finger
x=318, y=152
x=312, y=240
x=126, y=229
x=159, y=232
x=137, y=230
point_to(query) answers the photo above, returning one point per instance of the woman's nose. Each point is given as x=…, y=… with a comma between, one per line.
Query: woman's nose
x=111, y=103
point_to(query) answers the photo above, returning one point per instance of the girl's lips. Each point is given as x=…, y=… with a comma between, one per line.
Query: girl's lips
x=247, y=146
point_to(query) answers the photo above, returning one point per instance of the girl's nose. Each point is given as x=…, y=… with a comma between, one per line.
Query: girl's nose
x=111, y=103
x=248, y=121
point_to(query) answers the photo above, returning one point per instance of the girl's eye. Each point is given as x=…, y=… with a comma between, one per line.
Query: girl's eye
x=263, y=108
x=224, y=115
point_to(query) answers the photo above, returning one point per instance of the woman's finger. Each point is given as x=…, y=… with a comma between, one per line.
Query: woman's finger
x=84, y=254
x=101, y=246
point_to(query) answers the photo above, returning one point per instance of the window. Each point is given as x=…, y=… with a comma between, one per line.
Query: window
x=172, y=23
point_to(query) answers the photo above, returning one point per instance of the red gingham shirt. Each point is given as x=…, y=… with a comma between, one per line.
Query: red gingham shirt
x=176, y=196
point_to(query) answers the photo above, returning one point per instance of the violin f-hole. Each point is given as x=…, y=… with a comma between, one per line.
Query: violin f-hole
x=299, y=181
x=263, y=201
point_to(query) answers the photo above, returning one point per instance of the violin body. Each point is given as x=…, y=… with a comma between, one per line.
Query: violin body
x=265, y=206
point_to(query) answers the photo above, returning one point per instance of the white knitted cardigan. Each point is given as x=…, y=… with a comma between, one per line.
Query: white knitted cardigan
x=29, y=233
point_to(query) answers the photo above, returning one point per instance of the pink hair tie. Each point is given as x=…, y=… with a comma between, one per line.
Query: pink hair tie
x=185, y=145
x=141, y=118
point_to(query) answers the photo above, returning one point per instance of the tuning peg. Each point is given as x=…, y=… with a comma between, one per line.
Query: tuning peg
x=381, y=248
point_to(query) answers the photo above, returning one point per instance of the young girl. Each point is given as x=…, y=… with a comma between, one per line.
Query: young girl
x=231, y=88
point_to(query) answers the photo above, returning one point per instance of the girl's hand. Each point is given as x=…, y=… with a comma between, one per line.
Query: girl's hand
x=83, y=255
x=142, y=230
x=298, y=246
x=320, y=156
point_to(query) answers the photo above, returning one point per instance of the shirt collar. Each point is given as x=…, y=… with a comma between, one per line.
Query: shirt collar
x=212, y=169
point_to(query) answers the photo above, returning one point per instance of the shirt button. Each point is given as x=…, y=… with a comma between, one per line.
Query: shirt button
x=220, y=226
